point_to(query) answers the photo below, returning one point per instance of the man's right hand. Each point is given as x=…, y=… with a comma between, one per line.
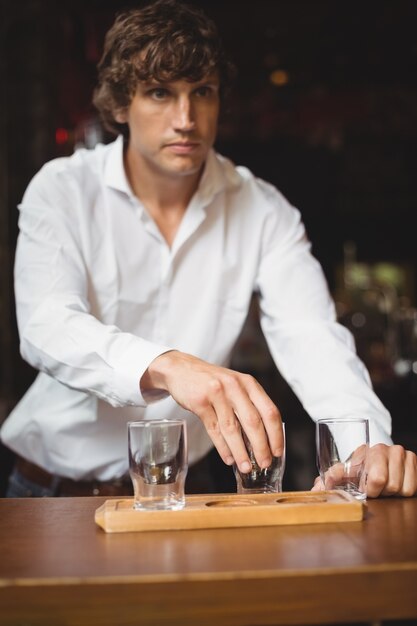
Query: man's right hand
x=226, y=402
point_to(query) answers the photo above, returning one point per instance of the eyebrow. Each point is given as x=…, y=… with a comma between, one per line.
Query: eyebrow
x=154, y=82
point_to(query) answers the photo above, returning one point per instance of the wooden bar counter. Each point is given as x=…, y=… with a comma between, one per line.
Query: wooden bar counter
x=58, y=568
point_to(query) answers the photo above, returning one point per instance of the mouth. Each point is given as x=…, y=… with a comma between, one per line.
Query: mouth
x=183, y=147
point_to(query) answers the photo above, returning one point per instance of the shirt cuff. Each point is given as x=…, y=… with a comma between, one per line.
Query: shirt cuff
x=127, y=374
x=377, y=434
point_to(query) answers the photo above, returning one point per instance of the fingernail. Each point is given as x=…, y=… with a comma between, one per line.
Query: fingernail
x=245, y=467
x=277, y=452
x=266, y=463
x=230, y=460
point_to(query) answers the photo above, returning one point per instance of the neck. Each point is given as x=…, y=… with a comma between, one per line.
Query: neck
x=165, y=197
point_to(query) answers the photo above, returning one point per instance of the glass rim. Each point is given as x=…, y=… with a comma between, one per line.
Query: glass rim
x=160, y=422
x=342, y=420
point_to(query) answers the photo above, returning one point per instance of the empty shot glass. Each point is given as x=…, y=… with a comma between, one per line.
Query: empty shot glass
x=158, y=463
x=258, y=480
x=342, y=446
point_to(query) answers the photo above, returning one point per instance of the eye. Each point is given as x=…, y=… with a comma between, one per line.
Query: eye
x=158, y=93
x=204, y=91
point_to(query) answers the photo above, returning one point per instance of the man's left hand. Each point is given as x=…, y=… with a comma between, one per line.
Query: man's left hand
x=392, y=471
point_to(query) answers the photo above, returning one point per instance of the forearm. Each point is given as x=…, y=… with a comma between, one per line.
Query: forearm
x=62, y=339
x=319, y=361
x=314, y=353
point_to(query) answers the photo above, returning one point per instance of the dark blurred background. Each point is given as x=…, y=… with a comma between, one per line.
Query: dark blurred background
x=325, y=108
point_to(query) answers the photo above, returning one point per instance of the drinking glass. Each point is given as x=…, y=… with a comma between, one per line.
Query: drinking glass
x=158, y=463
x=257, y=480
x=342, y=446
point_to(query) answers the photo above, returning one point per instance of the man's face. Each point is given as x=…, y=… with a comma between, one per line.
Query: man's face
x=172, y=125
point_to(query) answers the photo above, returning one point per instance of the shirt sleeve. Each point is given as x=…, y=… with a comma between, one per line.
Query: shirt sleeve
x=314, y=353
x=58, y=333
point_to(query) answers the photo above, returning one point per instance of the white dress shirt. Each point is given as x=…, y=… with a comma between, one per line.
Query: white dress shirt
x=100, y=294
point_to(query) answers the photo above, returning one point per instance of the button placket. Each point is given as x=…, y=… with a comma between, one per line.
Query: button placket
x=161, y=321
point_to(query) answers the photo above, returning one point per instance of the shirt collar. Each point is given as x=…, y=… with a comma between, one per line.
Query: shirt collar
x=114, y=169
x=219, y=174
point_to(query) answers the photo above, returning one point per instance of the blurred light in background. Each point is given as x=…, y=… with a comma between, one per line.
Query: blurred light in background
x=61, y=136
x=279, y=78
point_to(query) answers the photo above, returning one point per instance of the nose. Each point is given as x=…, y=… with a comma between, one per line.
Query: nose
x=184, y=115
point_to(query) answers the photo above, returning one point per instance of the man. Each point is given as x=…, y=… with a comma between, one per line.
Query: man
x=135, y=267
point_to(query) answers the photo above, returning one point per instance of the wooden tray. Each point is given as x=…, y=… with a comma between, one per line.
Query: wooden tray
x=232, y=510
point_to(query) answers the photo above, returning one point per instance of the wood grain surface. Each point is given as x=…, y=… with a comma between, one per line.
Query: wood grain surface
x=57, y=568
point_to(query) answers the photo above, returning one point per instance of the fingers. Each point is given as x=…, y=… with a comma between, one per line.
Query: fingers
x=228, y=424
x=377, y=470
x=226, y=401
x=391, y=471
x=235, y=411
x=410, y=474
x=395, y=474
x=271, y=417
x=331, y=478
x=211, y=423
x=318, y=485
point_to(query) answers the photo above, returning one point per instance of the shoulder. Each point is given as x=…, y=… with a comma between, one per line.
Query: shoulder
x=61, y=177
x=255, y=195
x=260, y=212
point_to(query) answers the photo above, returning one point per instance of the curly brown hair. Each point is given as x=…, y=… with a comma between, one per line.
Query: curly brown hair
x=166, y=40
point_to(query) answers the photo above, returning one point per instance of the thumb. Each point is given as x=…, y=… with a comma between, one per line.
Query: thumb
x=318, y=485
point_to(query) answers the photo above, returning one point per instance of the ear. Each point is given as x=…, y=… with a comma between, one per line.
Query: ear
x=121, y=116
